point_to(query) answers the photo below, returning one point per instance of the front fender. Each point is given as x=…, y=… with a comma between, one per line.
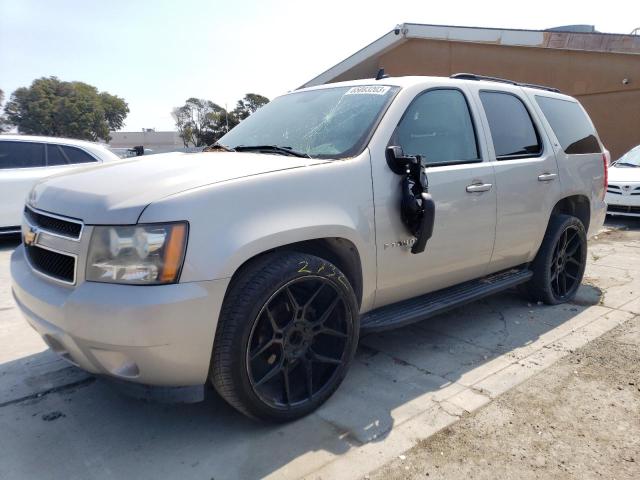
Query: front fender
x=232, y=222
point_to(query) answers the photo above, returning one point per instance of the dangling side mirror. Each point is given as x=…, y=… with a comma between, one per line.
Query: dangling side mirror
x=426, y=223
x=397, y=161
x=417, y=208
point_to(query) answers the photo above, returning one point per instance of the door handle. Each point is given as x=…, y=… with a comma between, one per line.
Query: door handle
x=479, y=187
x=547, y=177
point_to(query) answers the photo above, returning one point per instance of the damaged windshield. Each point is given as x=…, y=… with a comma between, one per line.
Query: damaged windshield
x=325, y=123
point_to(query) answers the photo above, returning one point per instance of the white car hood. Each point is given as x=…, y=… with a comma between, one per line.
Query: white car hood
x=624, y=174
x=118, y=192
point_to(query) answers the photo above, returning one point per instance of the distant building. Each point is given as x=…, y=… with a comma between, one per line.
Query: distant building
x=602, y=70
x=157, y=142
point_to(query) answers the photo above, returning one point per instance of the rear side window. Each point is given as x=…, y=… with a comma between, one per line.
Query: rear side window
x=64, y=155
x=512, y=130
x=21, y=155
x=570, y=124
x=438, y=126
x=55, y=156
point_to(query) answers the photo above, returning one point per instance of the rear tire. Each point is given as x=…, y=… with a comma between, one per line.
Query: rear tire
x=560, y=263
x=286, y=336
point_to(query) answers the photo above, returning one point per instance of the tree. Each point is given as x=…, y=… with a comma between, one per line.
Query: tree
x=202, y=122
x=245, y=107
x=3, y=120
x=65, y=109
x=199, y=122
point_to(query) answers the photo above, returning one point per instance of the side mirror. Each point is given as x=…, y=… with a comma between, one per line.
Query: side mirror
x=417, y=208
x=397, y=161
x=426, y=223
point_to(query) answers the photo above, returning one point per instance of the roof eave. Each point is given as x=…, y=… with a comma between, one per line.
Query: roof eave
x=377, y=47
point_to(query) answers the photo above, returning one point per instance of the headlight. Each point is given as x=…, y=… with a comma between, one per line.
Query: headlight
x=140, y=254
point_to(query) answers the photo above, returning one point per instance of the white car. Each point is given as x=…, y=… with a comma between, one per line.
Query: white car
x=24, y=160
x=623, y=192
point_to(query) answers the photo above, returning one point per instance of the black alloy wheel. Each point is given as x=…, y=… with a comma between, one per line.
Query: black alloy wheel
x=559, y=265
x=567, y=263
x=299, y=342
x=286, y=336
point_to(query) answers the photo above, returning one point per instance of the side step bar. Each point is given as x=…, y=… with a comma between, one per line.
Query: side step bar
x=425, y=306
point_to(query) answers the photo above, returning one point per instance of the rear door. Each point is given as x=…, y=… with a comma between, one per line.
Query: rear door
x=440, y=124
x=22, y=164
x=527, y=182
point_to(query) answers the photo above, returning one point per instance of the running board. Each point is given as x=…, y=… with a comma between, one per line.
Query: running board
x=425, y=306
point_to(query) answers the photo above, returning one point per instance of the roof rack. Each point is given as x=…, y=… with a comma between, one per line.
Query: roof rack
x=473, y=76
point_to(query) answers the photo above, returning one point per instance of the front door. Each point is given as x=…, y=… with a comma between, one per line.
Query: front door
x=439, y=124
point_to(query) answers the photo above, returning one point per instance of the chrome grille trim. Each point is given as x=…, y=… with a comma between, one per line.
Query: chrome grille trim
x=52, y=241
x=33, y=224
x=49, y=277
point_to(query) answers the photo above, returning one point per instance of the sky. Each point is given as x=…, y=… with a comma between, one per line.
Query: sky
x=155, y=54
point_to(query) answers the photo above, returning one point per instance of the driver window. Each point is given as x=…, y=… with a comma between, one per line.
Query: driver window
x=438, y=126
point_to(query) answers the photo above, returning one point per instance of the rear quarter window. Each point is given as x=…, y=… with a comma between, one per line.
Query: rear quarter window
x=571, y=125
x=65, y=155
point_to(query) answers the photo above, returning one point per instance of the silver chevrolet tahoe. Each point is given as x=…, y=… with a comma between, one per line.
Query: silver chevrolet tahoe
x=332, y=211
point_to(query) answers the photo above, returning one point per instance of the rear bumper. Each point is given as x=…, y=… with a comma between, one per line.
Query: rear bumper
x=598, y=215
x=154, y=335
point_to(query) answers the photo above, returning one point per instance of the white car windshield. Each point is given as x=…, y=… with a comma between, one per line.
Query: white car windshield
x=325, y=123
x=630, y=159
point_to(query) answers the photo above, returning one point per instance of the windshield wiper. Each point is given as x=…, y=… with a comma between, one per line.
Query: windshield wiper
x=626, y=164
x=217, y=146
x=271, y=148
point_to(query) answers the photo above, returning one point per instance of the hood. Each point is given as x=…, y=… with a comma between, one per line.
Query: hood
x=118, y=192
x=624, y=174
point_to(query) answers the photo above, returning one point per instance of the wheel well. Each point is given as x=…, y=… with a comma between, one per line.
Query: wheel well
x=339, y=251
x=577, y=206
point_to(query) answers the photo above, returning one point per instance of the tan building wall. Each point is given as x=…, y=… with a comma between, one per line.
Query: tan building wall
x=595, y=78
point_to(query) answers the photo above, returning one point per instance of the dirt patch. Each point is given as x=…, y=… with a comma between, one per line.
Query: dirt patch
x=578, y=419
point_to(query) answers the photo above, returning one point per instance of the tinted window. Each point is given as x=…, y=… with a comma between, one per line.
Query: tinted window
x=438, y=126
x=55, y=156
x=21, y=155
x=512, y=129
x=75, y=155
x=570, y=124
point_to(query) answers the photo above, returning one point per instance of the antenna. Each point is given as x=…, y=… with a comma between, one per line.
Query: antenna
x=381, y=74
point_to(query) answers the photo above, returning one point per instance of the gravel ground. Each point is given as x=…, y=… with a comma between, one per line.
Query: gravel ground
x=579, y=418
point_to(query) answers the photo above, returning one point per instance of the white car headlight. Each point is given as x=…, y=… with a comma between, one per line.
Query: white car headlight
x=149, y=254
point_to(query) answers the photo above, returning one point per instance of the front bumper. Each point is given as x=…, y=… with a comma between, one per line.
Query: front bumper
x=623, y=203
x=155, y=335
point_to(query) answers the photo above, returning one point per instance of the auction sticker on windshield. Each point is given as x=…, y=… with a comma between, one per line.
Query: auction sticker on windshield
x=368, y=90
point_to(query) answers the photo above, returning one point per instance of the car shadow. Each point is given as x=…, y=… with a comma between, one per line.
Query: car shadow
x=621, y=222
x=9, y=242
x=89, y=430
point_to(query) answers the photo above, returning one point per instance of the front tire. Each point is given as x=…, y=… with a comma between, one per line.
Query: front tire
x=287, y=334
x=560, y=263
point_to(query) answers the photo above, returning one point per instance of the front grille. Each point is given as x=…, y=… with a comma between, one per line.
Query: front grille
x=623, y=209
x=624, y=189
x=56, y=265
x=53, y=224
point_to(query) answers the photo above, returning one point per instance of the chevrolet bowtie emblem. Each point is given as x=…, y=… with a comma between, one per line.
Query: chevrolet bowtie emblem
x=30, y=236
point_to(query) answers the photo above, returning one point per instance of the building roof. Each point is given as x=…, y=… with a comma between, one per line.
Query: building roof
x=367, y=58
